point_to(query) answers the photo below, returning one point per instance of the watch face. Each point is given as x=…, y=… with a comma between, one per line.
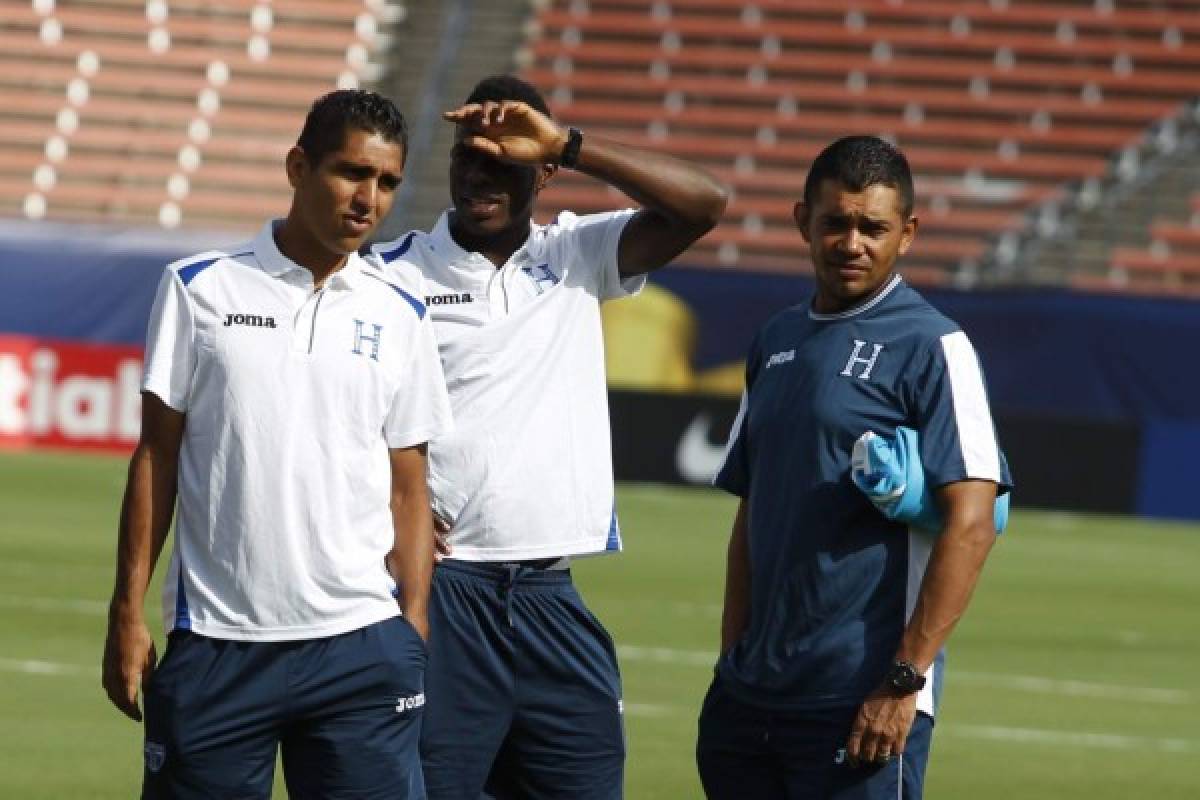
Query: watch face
x=905, y=678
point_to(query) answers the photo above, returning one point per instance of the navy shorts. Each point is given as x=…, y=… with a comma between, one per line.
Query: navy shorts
x=524, y=692
x=748, y=751
x=346, y=711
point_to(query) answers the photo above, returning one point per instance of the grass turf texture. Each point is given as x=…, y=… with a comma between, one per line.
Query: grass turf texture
x=1073, y=675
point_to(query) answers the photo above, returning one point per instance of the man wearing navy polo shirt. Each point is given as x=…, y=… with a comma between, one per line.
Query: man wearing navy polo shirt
x=835, y=617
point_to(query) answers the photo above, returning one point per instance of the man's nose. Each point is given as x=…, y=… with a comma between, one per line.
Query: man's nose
x=365, y=195
x=851, y=242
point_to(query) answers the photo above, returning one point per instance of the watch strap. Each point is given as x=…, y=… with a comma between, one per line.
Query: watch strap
x=570, y=152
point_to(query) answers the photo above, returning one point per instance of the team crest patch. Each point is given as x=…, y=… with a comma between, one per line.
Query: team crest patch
x=542, y=276
x=155, y=754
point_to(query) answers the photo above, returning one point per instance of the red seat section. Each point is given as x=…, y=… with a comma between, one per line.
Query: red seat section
x=1169, y=264
x=167, y=113
x=999, y=104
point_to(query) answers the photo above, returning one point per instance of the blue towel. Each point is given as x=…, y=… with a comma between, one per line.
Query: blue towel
x=890, y=474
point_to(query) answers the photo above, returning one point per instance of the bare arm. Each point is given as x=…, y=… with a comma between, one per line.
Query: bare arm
x=411, y=558
x=681, y=202
x=146, y=512
x=954, y=566
x=953, y=570
x=736, y=613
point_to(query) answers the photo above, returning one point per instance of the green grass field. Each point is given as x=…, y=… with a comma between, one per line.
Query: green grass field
x=1073, y=676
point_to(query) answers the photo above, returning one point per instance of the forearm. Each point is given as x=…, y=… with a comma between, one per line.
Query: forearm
x=412, y=555
x=950, y=578
x=684, y=193
x=735, y=614
x=146, y=511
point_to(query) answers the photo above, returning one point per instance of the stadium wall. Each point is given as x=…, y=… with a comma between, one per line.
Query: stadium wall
x=1095, y=396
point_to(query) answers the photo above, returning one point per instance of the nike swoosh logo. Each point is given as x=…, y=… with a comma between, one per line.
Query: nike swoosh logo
x=696, y=457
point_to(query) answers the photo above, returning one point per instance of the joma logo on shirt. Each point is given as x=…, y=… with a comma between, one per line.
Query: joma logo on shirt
x=781, y=357
x=448, y=299
x=253, y=320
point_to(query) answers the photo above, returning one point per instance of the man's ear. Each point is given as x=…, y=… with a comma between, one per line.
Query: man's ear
x=908, y=234
x=800, y=213
x=296, y=165
x=545, y=173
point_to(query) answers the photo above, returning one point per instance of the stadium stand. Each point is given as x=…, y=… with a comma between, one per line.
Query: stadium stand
x=1014, y=112
x=1002, y=106
x=160, y=112
x=1170, y=264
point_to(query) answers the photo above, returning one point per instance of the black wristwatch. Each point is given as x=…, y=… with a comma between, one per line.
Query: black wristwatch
x=570, y=152
x=903, y=678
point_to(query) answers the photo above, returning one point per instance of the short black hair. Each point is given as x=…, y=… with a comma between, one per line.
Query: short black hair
x=333, y=113
x=499, y=88
x=857, y=162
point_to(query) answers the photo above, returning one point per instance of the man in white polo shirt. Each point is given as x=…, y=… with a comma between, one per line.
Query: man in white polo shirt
x=289, y=391
x=523, y=687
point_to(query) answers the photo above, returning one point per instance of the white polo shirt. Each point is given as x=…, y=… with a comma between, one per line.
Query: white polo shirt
x=293, y=397
x=527, y=471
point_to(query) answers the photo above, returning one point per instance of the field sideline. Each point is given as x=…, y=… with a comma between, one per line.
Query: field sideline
x=1073, y=676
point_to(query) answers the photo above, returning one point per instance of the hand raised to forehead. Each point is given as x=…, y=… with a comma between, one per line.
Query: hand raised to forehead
x=510, y=131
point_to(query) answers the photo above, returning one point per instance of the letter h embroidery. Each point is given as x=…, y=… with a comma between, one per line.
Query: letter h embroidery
x=360, y=337
x=855, y=358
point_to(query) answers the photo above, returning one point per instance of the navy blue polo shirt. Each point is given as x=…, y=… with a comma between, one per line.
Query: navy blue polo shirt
x=833, y=581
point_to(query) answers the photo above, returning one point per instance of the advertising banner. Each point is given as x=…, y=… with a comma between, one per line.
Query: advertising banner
x=69, y=394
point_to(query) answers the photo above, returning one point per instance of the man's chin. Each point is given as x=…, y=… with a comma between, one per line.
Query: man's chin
x=478, y=224
x=345, y=245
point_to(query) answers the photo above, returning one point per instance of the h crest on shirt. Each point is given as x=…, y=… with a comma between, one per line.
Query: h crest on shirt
x=868, y=363
x=542, y=276
x=361, y=337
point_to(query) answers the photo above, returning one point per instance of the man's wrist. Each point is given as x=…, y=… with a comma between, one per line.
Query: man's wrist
x=904, y=678
x=569, y=147
x=124, y=611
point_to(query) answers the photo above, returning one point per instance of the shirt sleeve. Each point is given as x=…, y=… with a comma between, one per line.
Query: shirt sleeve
x=596, y=239
x=734, y=473
x=958, y=438
x=170, y=357
x=420, y=409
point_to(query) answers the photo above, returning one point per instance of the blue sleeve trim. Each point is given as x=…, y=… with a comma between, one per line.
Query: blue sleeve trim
x=398, y=250
x=186, y=274
x=183, y=617
x=417, y=305
x=614, y=532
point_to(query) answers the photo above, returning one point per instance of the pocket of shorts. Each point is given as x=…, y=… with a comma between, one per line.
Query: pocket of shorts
x=412, y=631
x=601, y=632
x=158, y=677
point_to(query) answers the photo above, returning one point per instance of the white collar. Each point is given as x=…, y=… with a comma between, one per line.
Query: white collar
x=442, y=238
x=276, y=264
x=855, y=310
